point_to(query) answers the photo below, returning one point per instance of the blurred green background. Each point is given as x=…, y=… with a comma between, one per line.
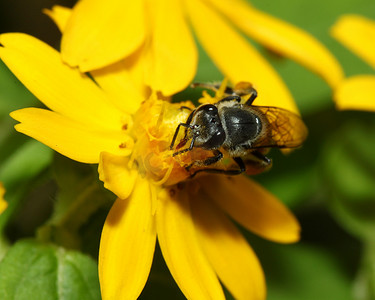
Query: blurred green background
x=328, y=183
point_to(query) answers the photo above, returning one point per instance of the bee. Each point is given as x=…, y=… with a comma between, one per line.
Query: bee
x=242, y=131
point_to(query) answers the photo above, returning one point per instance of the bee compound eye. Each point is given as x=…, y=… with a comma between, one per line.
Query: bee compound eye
x=209, y=108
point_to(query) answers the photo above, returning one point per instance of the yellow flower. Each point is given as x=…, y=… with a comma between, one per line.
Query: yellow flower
x=3, y=203
x=98, y=34
x=358, y=34
x=93, y=124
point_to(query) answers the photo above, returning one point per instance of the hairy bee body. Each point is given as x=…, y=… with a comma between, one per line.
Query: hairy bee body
x=243, y=131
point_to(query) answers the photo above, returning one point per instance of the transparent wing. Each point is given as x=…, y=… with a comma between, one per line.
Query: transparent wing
x=283, y=128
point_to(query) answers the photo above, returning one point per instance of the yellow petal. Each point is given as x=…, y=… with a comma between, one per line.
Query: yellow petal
x=68, y=137
x=358, y=34
x=172, y=57
x=283, y=38
x=254, y=207
x=179, y=245
x=127, y=245
x=123, y=82
x=3, y=203
x=99, y=33
x=116, y=174
x=61, y=88
x=356, y=93
x=236, y=58
x=228, y=251
x=60, y=15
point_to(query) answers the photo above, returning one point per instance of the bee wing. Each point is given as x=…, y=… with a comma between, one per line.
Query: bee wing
x=283, y=128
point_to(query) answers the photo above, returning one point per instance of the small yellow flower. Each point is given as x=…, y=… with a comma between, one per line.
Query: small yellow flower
x=129, y=138
x=358, y=34
x=100, y=34
x=3, y=203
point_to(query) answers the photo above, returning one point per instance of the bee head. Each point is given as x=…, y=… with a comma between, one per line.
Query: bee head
x=207, y=127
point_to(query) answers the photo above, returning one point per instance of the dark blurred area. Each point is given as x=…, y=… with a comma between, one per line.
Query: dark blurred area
x=27, y=16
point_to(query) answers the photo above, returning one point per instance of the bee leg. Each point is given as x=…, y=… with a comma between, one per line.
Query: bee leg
x=239, y=162
x=262, y=157
x=230, y=98
x=208, y=161
x=253, y=95
x=187, y=149
x=176, y=133
x=257, y=163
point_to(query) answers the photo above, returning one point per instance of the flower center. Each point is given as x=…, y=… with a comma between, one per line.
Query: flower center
x=154, y=125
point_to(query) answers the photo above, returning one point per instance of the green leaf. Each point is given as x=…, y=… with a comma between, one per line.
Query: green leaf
x=292, y=187
x=307, y=273
x=31, y=270
x=207, y=71
x=80, y=196
x=19, y=171
x=302, y=271
x=364, y=288
x=4, y=246
x=21, y=159
x=77, y=184
x=24, y=163
x=13, y=95
x=349, y=168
